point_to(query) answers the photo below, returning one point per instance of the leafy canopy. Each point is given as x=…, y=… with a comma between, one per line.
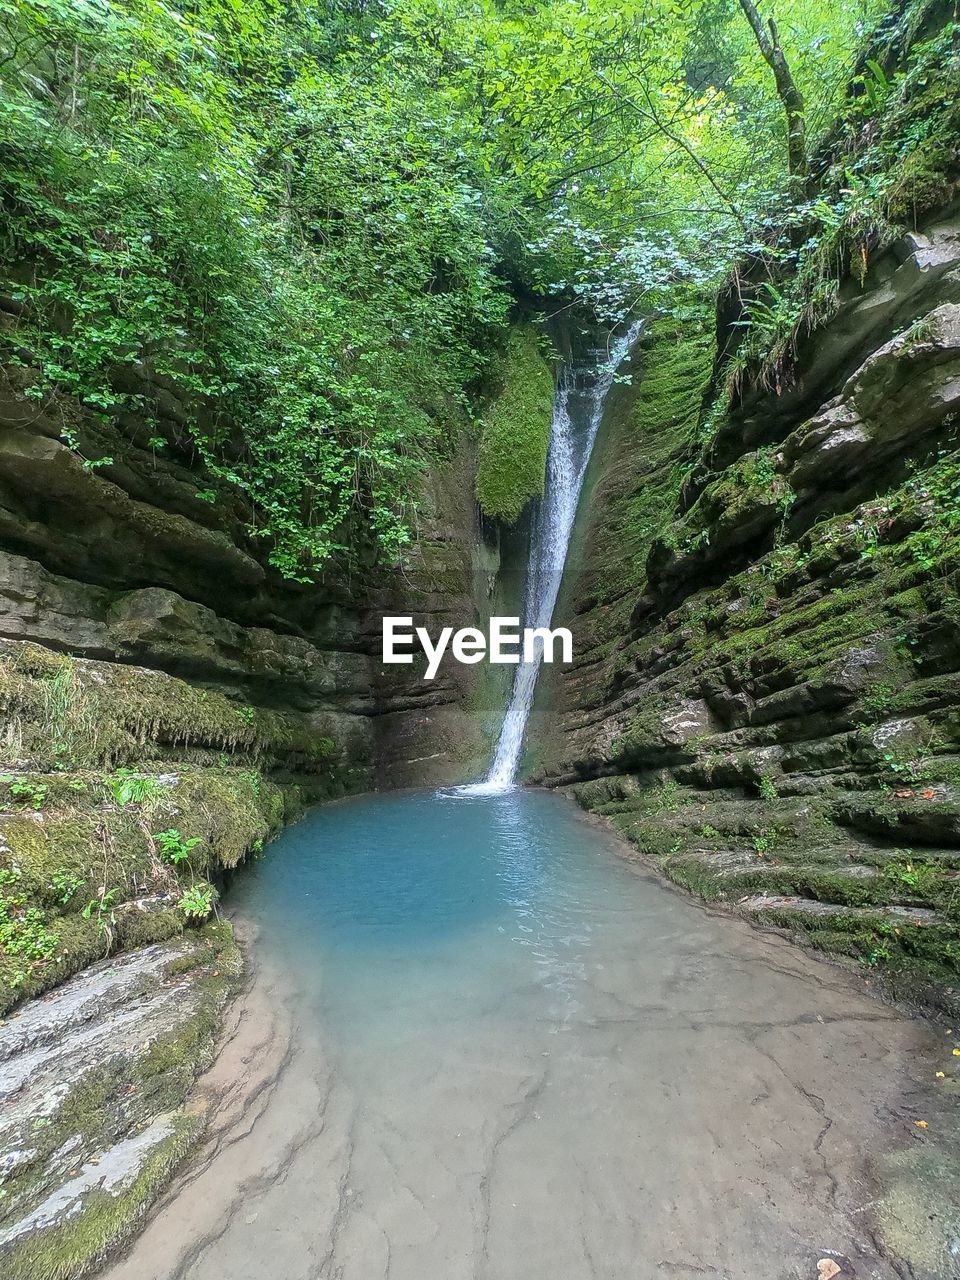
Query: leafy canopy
x=284, y=236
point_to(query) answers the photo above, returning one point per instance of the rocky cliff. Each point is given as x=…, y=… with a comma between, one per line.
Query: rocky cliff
x=764, y=588
x=765, y=698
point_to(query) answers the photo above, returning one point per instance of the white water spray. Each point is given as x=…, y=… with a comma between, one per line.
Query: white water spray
x=577, y=412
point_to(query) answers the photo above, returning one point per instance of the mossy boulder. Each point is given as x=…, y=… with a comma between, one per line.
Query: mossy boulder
x=127, y=796
x=86, y=868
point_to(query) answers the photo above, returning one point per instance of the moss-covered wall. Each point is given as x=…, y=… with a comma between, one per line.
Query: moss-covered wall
x=765, y=696
x=125, y=795
x=167, y=702
x=765, y=585
x=516, y=429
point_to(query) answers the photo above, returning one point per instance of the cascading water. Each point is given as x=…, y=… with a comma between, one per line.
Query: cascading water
x=577, y=412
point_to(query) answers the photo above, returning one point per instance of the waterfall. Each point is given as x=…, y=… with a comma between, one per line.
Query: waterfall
x=577, y=412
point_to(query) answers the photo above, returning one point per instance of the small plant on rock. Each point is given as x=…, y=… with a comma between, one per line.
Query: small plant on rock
x=65, y=884
x=763, y=842
x=174, y=848
x=100, y=909
x=23, y=930
x=671, y=797
x=129, y=787
x=197, y=901
x=768, y=792
x=878, y=699
x=30, y=794
x=877, y=955
x=903, y=872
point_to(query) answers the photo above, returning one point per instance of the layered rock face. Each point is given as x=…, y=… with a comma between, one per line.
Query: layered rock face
x=166, y=703
x=94, y=1079
x=765, y=695
x=135, y=562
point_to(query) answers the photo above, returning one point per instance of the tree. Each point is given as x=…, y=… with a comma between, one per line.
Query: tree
x=789, y=94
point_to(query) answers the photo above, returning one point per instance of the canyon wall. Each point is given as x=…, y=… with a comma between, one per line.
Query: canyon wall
x=167, y=702
x=765, y=698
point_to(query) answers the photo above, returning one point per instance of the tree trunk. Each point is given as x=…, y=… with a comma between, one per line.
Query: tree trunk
x=789, y=94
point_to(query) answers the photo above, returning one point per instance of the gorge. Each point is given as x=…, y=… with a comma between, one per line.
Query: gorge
x=316, y=964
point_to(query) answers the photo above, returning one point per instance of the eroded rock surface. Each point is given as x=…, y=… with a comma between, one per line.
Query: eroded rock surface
x=93, y=1081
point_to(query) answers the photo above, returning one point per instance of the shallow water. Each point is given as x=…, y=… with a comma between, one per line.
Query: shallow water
x=502, y=1051
x=413, y=915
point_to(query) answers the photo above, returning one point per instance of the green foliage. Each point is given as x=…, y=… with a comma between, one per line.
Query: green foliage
x=236, y=206
x=173, y=847
x=653, y=137
x=25, y=937
x=877, y=955
x=275, y=235
x=878, y=699
x=65, y=885
x=516, y=432
x=767, y=789
x=130, y=787
x=919, y=877
x=667, y=798
x=934, y=494
x=30, y=794
x=892, y=157
x=100, y=909
x=274, y=239
x=197, y=902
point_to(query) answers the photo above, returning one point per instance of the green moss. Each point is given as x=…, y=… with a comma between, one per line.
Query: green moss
x=61, y=860
x=516, y=433
x=641, y=740
x=800, y=854
x=675, y=366
x=134, y=928
x=168, y=1068
x=599, y=792
x=879, y=940
x=750, y=493
x=693, y=875
x=97, y=1109
x=920, y=131
x=68, y=1250
x=74, y=713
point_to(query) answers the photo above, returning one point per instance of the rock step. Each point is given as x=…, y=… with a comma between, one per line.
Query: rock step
x=111, y=1173
x=760, y=903
x=92, y=1002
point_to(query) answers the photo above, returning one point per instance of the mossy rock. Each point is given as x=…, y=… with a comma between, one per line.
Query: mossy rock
x=516, y=433
x=83, y=876
x=76, y=713
x=105, y=1110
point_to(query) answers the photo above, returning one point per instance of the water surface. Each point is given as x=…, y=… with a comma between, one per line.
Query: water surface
x=502, y=1051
